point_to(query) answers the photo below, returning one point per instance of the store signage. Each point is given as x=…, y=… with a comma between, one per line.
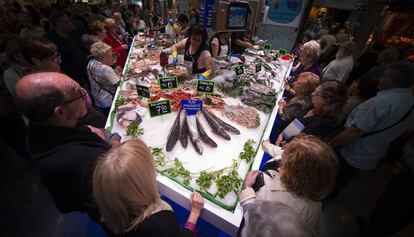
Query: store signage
x=143, y=91
x=285, y=12
x=160, y=107
x=267, y=47
x=205, y=86
x=258, y=67
x=282, y=51
x=168, y=83
x=192, y=106
x=239, y=70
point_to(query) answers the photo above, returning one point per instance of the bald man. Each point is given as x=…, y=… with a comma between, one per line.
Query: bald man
x=65, y=151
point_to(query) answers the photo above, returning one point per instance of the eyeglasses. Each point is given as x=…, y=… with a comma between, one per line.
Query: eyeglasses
x=82, y=95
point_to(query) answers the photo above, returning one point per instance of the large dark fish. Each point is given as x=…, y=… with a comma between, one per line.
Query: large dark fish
x=203, y=135
x=174, y=134
x=225, y=125
x=194, y=136
x=184, y=132
x=217, y=129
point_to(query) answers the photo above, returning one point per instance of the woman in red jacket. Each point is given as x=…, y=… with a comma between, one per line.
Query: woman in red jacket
x=115, y=41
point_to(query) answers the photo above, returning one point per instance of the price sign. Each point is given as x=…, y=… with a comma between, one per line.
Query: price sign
x=168, y=83
x=143, y=91
x=267, y=47
x=239, y=70
x=258, y=67
x=159, y=108
x=205, y=86
x=282, y=51
x=192, y=106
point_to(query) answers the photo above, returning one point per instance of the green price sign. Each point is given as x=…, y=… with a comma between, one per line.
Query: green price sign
x=159, y=108
x=205, y=86
x=239, y=70
x=267, y=47
x=282, y=51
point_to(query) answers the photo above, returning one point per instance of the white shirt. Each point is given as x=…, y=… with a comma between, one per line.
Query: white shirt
x=103, y=80
x=338, y=69
x=377, y=113
x=224, y=49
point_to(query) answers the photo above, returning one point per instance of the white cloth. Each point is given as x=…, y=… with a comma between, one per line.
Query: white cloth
x=36, y=32
x=224, y=49
x=103, y=80
x=338, y=69
x=273, y=190
x=377, y=113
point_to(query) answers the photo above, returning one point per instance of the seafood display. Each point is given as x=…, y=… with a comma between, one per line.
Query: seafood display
x=211, y=148
x=243, y=115
x=260, y=97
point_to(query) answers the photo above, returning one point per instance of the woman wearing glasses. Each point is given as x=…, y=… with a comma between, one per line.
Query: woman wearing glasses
x=102, y=77
x=328, y=100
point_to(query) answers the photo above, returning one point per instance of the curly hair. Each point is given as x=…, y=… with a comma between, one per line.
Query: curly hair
x=309, y=167
x=312, y=79
x=336, y=93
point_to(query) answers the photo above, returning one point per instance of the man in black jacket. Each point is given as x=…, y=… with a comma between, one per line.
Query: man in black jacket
x=65, y=151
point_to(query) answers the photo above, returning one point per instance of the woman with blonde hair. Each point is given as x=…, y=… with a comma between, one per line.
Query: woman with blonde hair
x=125, y=188
x=306, y=175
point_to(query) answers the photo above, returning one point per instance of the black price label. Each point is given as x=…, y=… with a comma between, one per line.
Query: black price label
x=159, y=108
x=143, y=91
x=239, y=70
x=282, y=51
x=205, y=86
x=168, y=83
x=267, y=47
x=258, y=67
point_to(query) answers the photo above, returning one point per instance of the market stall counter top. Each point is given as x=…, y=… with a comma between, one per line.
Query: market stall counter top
x=205, y=135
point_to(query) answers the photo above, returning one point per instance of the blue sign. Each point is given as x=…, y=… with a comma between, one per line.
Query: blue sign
x=207, y=12
x=192, y=106
x=284, y=11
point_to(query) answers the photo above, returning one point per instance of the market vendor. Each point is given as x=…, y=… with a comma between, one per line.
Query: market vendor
x=219, y=44
x=196, y=52
x=239, y=42
x=182, y=27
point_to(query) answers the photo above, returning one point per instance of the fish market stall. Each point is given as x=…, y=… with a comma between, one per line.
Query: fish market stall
x=205, y=135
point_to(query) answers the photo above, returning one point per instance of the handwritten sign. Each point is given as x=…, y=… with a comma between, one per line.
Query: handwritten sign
x=205, y=86
x=168, y=83
x=143, y=91
x=159, y=108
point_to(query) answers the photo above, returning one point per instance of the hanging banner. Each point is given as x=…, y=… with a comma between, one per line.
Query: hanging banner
x=284, y=12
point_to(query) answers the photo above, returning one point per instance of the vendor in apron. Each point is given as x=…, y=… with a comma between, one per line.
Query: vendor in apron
x=219, y=44
x=196, y=52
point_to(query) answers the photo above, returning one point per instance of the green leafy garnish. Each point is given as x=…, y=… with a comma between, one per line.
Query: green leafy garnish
x=118, y=102
x=178, y=170
x=249, y=152
x=134, y=130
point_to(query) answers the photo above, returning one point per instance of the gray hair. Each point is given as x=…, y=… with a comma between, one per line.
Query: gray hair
x=402, y=72
x=312, y=49
x=98, y=49
x=268, y=219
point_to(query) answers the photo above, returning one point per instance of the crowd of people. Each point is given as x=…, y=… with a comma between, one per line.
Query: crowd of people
x=60, y=70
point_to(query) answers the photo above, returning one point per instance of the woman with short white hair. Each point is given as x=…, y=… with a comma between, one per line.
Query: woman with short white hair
x=102, y=77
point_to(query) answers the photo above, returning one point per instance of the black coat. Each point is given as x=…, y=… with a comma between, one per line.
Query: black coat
x=65, y=159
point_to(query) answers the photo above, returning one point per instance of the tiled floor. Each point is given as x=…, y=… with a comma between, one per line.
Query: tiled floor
x=26, y=208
